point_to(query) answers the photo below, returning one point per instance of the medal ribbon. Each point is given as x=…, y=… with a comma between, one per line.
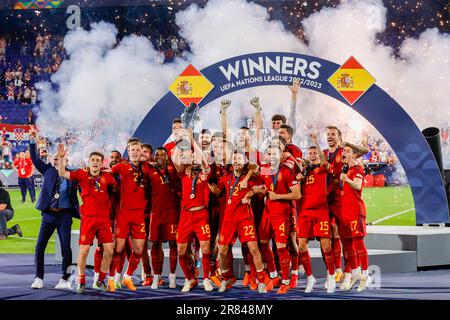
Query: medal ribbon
x=236, y=180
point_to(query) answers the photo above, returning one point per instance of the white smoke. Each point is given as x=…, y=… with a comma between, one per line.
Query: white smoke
x=104, y=90
x=116, y=84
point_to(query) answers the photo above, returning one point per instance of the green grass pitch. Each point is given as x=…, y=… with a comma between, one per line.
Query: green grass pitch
x=380, y=203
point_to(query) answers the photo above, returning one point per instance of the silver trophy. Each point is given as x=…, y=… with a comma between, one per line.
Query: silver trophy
x=190, y=116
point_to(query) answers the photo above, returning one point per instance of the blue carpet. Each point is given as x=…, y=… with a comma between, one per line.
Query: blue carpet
x=17, y=274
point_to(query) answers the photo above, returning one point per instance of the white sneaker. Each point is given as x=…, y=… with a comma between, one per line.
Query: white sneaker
x=187, y=285
x=94, y=285
x=118, y=281
x=356, y=276
x=155, y=282
x=63, y=284
x=207, y=284
x=172, y=281
x=37, y=284
x=364, y=283
x=301, y=272
x=223, y=286
x=345, y=285
x=331, y=284
x=310, y=284
x=262, y=288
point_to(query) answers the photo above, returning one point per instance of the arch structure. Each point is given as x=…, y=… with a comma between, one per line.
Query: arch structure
x=349, y=83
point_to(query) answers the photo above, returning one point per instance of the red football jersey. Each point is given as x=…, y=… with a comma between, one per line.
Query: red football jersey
x=170, y=148
x=352, y=203
x=24, y=167
x=236, y=209
x=201, y=190
x=132, y=194
x=334, y=173
x=94, y=193
x=165, y=186
x=295, y=151
x=279, y=182
x=314, y=189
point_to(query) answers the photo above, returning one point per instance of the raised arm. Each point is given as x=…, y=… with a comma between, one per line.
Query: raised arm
x=62, y=160
x=176, y=159
x=259, y=125
x=292, y=110
x=199, y=154
x=323, y=160
x=38, y=163
x=224, y=105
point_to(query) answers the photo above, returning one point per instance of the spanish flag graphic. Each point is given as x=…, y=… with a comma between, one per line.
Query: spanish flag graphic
x=191, y=86
x=351, y=80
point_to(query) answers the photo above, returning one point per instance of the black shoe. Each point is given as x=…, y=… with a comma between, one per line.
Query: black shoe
x=22, y=201
x=18, y=230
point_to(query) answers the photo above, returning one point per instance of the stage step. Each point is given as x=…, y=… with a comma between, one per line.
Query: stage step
x=431, y=244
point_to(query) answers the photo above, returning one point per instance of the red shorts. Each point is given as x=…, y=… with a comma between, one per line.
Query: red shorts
x=352, y=228
x=193, y=223
x=314, y=224
x=163, y=225
x=244, y=228
x=274, y=227
x=91, y=228
x=130, y=223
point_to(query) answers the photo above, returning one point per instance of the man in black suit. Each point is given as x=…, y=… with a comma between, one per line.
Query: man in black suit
x=58, y=203
x=6, y=214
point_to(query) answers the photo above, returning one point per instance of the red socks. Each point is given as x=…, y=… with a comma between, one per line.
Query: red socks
x=101, y=276
x=82, y=279
x=361, y=253
x=285, y=262
x=337, y=253
x=173, y=256
x=120, y=261
x=157, y=268
x=268, y=257
x=133, y=263
x=184, y=264
x=98, y=257
x=350, y=254
x=294, y=259
x=205, y=265
x=305, y=260
x=328, y=257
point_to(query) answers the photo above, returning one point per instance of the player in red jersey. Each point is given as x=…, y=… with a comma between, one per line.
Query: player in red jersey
x=147, y=277
x=352, y=226
x=176, y=132
x=292, y=157
x=130, y=220
x=238, y=220
x=194, y=218
x=314, y=219
x=95, y=212
x=164, y=216
x=280, y=188
x=334, y=157
x=114, y=158
x=244, y=146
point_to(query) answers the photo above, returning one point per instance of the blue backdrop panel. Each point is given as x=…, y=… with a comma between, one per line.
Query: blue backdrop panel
x=383, y=112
